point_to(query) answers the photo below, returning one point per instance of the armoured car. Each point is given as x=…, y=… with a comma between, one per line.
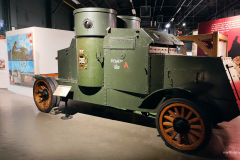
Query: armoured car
x=113, y=62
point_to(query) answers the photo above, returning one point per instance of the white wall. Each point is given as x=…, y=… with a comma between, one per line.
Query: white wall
x=4, y=80
x=46, y=43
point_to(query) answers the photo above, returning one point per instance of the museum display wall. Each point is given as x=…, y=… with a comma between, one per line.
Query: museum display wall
x=3, y=64
x=33, y=51
x=227, y=26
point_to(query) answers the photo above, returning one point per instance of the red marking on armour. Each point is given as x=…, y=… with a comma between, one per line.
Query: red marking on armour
x=126, y=65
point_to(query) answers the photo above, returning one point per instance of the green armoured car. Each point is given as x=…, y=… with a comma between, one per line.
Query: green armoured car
x=140, y=70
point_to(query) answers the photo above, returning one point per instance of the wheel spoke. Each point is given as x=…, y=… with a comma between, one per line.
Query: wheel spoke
x=193, y=139
x=193, y=120
x=177, y=113
x=179, y=138
x=188, y=115
x=169, y=118
x=186, y=139
x=182, y=112
x=196, y=126
x=174, y=135
x=169, y=130
x=167, y=123
x=195, y=133
x=40, y=100
x=172, y=114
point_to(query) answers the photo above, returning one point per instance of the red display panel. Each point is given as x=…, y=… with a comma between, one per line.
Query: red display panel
x=227, y=26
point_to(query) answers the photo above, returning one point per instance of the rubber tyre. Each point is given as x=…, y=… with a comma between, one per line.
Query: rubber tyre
x=205, y=120
x=51, y=88
x=56, y=85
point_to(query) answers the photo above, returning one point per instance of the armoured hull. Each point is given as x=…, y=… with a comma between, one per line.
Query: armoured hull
x=126, y=84
x=90, y=69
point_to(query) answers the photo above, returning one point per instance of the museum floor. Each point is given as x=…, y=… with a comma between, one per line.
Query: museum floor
x=95, y=132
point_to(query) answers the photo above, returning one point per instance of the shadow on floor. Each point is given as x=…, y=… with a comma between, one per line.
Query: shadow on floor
x=109, y=113
x=214, y=150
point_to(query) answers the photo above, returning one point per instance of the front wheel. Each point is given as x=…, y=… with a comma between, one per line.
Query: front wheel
x=43, y=90
x=183, y=126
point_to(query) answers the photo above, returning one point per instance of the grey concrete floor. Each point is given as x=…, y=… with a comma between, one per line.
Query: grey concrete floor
x=95, y=132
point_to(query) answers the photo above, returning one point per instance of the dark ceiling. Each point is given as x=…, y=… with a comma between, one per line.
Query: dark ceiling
x=190, y=11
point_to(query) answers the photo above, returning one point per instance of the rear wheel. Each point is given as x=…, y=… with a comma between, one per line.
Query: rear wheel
x=43, y=90
x=182, y=125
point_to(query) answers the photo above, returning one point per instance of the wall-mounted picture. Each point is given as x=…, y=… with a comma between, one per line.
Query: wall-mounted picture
x=2, y=64
x=20, y=47
x=21, y=64
x=27, y=66
x=27, y=79
x=15, y=72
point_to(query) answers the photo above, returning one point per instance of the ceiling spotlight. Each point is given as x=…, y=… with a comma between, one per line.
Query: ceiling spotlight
x=167, y=25
x=184, y=24
x=75, y=1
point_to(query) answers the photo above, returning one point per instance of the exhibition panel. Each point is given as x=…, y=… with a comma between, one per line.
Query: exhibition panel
x=33, y=51
x=20, y=59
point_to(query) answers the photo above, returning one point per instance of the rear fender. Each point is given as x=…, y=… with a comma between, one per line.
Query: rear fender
x=153, y=100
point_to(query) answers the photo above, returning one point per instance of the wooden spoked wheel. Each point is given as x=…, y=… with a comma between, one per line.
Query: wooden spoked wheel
x=43, y=94
x=182, y=125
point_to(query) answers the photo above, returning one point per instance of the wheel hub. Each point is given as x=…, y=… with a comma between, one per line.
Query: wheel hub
x=45, y=94
x=181, y=125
